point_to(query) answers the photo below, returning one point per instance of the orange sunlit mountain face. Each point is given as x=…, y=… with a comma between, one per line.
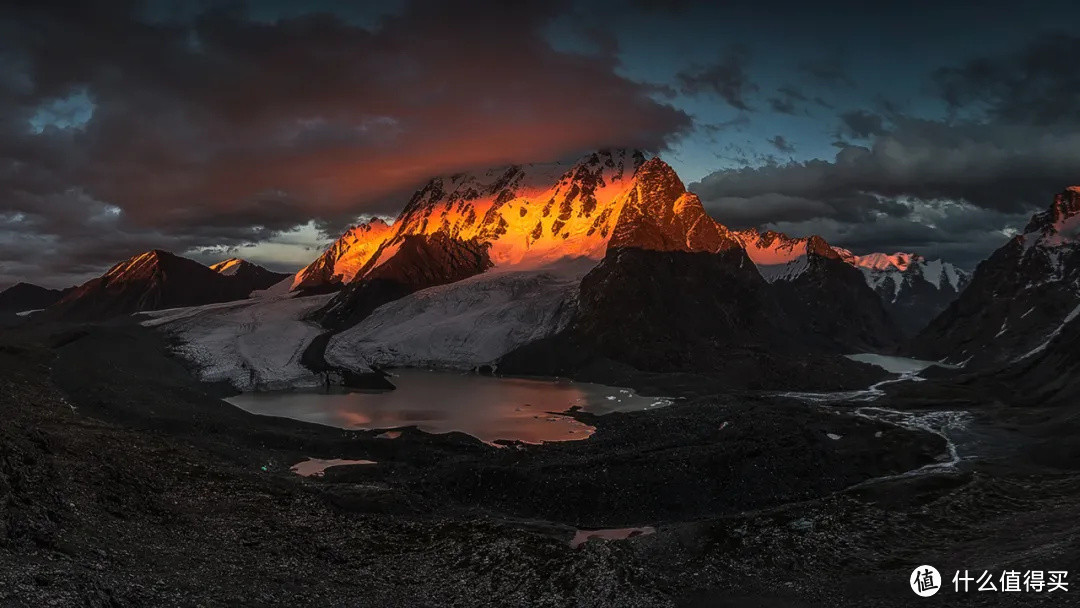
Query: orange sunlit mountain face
x=532, y=216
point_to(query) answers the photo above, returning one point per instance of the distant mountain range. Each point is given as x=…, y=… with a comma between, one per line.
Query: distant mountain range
x=616, y=259
x=609, y=264
x=913, y=288
x=158, y=279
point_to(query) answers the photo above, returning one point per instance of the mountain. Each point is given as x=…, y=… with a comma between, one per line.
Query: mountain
x=250, y=277
x=343, y=259
x=679, y=292
x=1018, y=299
x=518, y=217
x=913, y=288
x=527, y=217
x=620, y=266
x=1049, y=373
x=605, y=269
x=418, y=262
x=26, y=296
x=149, y=281
x=818, y=287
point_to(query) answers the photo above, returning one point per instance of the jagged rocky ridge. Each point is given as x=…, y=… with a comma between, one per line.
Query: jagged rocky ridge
x=1019, y=300
x=519, y=217
x=347, y=256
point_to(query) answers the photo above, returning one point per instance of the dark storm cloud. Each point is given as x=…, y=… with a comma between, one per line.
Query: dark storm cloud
x=951, y=187
x=1038, y=85
x=781, y=144
x=860, y=124
x=1002, y=171
x=727, y=79
x=788, y=100
x=1008, y=168
x=219, y=130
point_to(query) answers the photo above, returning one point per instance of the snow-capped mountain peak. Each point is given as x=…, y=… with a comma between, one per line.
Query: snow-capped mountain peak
x=345, y=257
x=244, y=272
x=889, y=271
x=883, y=261
x=657, y=213
x=913, y=288
x=782, y=257
x=139, y=266
x=529, y=216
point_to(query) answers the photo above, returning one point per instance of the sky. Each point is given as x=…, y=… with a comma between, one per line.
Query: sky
x=264, y=128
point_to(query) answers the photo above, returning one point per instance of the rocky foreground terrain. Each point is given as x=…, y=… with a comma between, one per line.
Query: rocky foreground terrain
x=124, y=482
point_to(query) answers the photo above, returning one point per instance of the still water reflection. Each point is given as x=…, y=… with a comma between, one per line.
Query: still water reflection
x=315, y=467
x=487, y=408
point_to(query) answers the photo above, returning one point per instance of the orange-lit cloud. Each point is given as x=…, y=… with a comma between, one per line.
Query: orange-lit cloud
x=221, y=129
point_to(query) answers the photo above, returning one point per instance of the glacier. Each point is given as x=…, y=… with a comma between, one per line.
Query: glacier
x=464, y=324
x=252, y=344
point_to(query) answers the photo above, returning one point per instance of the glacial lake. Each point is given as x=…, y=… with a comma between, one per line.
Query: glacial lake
x=896, y=365
x=488, y=408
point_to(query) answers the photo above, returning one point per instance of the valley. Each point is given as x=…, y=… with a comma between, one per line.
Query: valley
x=543, y=385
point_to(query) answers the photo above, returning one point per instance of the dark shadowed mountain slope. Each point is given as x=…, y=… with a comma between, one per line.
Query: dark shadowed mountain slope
x=149, y=281
x=833, y=306
x=419, y=262
x=1049, y=373
x=1017, y=299
x=26, y=296
x=251, y=277
x=661, y=301
x=821, y=291
x=914, y=289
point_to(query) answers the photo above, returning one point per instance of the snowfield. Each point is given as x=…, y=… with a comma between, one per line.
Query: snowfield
x=253, y=344
x=464, y=324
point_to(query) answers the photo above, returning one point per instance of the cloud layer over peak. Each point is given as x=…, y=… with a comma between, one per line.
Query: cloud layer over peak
x=219, y=129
